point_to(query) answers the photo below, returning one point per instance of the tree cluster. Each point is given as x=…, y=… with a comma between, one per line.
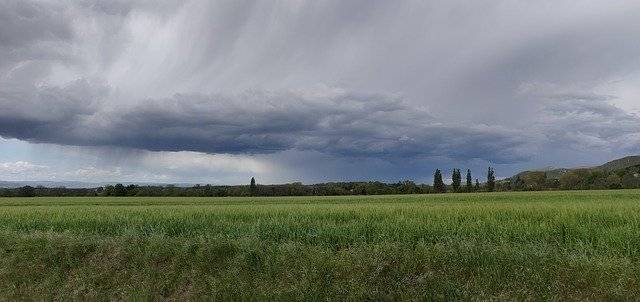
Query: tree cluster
x=456, y=182
x=578, y=179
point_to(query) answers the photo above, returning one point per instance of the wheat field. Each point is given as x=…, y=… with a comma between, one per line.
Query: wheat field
x=578, y=245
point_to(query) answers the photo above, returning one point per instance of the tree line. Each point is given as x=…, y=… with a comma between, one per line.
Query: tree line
x=577, y=179
x=254, y=189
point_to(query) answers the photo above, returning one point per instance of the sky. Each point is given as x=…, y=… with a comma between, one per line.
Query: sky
x=188, y=91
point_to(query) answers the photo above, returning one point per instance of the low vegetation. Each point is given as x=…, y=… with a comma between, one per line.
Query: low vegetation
x=578, y=245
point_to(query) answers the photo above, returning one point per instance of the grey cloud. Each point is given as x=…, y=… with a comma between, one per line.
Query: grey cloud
x=586, y=123
x=233, y=77
x=79, y=38
x=23, y=23
x=49, y=104
x=46, y=113
x=575, y=119
x=332, y=122
x=32, y=36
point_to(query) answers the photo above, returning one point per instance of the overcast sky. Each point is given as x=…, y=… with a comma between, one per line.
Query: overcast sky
x=311, y=91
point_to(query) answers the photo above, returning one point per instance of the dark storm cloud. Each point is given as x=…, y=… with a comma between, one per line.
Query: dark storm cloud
x=332, y=122
x=46, y=113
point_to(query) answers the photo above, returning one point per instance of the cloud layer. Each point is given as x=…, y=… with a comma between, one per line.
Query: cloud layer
x=324, y=120
x=382, y=84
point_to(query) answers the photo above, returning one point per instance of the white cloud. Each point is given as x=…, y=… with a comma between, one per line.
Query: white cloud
x=20, y=167
x=194, y=161
x=21, y=170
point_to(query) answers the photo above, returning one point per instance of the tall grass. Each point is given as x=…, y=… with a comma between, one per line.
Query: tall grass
x=502, y=246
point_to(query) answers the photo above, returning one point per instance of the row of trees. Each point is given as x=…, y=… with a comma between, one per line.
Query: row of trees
x=582, y=179
x=456, y=182
x=292, y=189
x=254, y=189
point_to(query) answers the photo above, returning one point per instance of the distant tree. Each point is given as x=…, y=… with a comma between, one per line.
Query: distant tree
x=119, y=190
x=503, y=186
x=491, y=180
x=253, y=187
x=477, y=185
x=456, y=180
x=26, y=191
x=171, y=190
x=569, y=181
x=438, y=184
x=108, y=191
x=614, y=182
x=469, y=181
x=552, y=183
x=518, y=184
x=631, y=180
x=534, y=181
x=597, y=181
x=408, y=187
x=131, y=190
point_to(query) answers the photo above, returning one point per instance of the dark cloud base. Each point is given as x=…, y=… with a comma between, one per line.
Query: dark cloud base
x=337, y=122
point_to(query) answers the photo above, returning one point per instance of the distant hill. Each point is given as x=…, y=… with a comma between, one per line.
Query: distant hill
x=614, y=165
x=552, y=173
x=619, y=164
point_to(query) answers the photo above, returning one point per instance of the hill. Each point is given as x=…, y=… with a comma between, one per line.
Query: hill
x=612, y=166
x=620, y=164
x=552, y=173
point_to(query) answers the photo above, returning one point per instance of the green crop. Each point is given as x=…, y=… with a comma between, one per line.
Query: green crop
x=579, y=245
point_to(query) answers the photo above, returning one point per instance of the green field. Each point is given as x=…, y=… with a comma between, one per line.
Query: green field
x=582, y=245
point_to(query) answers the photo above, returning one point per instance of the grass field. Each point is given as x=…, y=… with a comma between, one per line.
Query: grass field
x=582, y=245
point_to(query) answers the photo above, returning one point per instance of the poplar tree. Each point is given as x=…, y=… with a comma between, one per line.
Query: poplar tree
x=469, y=181
x=456, y=180
x=252, y=187
x=438, y=184
x=491, y=180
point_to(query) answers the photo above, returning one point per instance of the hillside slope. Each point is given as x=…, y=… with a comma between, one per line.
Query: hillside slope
x=620, y=164
x=614, y=165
